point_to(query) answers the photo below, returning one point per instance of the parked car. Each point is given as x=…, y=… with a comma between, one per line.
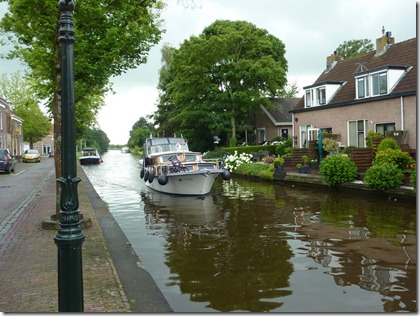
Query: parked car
x=31, y=155
x=7, y=162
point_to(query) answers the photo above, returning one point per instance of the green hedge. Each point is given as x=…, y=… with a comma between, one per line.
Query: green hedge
x=250, y=149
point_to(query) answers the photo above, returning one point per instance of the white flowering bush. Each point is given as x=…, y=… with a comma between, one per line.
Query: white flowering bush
x=234, y=161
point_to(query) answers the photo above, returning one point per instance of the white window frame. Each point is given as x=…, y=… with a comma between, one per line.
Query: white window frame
x=304, y=131
x=308, y=98
x=358, y=140
x=319, y=99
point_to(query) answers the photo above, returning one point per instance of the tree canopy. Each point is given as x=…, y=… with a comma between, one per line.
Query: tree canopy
x=96, y=138
x=140, y=131
x=111, y=37
x=218, y=78
x=36, y=125
x=354, y=47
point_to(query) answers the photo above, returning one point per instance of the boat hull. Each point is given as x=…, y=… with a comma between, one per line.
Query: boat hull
x=186, y=183
x=90, y=161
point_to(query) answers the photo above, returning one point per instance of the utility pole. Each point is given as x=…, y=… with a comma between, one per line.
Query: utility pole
x=69, y=236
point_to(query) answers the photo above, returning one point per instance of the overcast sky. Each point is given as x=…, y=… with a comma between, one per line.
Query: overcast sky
x=311, y=30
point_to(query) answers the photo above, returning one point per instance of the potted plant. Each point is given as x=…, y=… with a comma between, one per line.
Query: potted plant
x=279, y=172
x=299, y=167
x=313, y=164
x=305, y=167
x=278, y=163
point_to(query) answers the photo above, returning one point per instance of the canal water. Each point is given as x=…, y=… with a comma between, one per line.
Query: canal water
x=257, y=246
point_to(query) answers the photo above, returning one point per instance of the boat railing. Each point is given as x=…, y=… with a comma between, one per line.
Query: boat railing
x=217, y=161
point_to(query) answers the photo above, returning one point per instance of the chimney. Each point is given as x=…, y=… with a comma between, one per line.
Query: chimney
x=332, y=60
x=384, y=42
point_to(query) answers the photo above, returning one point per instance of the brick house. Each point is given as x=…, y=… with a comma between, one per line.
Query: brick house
x=373, y=91
x=275, y=121
x=11, y=136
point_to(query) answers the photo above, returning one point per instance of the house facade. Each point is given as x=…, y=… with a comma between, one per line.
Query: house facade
x=373, y=91
x=11, y=136
x=275, y=121
x=45, y=145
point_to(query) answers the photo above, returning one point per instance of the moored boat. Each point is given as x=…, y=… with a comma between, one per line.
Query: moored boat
x=125, y=150
x=168, y=166
x=90, y=156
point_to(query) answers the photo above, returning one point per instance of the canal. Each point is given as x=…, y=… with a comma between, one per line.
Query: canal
x=256, y=246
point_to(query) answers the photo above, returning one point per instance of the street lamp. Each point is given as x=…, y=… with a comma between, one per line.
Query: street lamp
x=69, y=236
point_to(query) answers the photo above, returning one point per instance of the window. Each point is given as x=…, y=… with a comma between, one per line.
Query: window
x=320, y=96
x=261, y=135
x=308, y=98
x=357, y=133
x=285, y=132
x=385, y=127
x=321, y=93
x=304, y=129
x=363, y=87
x=379, y=81
x=379, y=84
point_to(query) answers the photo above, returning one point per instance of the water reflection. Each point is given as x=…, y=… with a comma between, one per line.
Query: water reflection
x=235, y=263
x=256, y=246
x=239, y=258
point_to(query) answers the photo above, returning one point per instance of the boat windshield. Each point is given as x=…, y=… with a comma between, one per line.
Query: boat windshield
x=89, y=152
x=166, y=144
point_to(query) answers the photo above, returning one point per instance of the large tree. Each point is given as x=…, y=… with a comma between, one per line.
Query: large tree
x=36, y=125
x=140, y=131
x=111, y=38
x=220, y=76
x=96, y=138
x=352, y=48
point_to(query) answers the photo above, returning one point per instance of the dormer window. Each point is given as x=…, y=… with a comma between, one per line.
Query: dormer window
x=321, y=93
x=308, y=98
x=320, y=96
x=377, y=82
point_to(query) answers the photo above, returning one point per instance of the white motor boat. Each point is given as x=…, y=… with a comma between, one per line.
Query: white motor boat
x=169, y=166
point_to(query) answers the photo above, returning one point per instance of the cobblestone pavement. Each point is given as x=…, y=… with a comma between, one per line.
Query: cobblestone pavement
x=28, y=259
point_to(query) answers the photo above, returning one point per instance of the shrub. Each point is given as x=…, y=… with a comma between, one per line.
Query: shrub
x=217, y=153
x=337, y=169
x=285, y=147
x=387, y=143
x=330, y=145
x=371, y=135
x=394, y=156
x=348, y=150
x=278, y=162
x=382, y=176
x=234, y=161
x=254, y=169
x=269, y=159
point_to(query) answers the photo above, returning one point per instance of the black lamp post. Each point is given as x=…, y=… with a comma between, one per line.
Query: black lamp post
x=69, y=236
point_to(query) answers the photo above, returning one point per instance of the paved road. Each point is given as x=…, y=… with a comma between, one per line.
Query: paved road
x=19, y=187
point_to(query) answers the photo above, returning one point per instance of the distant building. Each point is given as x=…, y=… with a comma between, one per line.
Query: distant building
x=11, y=135
x=46, y=144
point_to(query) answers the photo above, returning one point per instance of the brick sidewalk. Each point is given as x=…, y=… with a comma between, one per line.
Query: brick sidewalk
x=28, y=260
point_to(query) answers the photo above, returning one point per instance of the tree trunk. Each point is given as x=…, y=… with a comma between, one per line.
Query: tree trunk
x=233, y=124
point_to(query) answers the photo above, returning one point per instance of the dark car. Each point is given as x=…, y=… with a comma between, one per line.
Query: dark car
x=7, y=162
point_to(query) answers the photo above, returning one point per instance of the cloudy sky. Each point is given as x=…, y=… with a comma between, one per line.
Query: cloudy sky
x=311, y=30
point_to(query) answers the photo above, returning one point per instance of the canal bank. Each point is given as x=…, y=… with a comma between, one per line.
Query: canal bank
x=403, y=193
